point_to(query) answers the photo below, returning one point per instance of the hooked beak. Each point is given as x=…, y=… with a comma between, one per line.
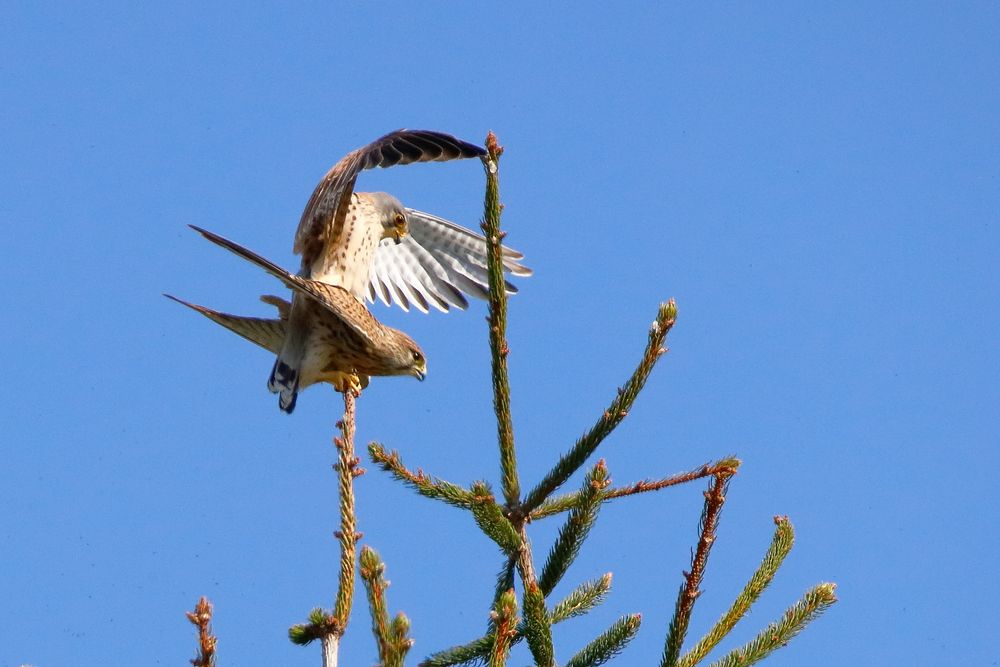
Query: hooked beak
x=398, y=236
x=419, y=374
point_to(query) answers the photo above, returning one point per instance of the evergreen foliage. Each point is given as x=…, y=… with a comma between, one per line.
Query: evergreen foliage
x=506, y=525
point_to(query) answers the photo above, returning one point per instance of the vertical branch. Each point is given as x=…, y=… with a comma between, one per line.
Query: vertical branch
x=330, y=627
x=498, y=322
x=392, y=637
x=331, y=649
x=201, y=617
x=714, y=499
x=347, y=469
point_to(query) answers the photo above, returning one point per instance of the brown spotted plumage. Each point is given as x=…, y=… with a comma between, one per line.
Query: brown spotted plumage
x=343, y=343
x=361, y=241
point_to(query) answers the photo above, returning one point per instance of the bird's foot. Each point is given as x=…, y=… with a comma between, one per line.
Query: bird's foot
x=348, y=382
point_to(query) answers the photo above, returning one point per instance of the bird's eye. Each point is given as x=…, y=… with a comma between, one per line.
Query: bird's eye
x=417, y=356
x=400, y=219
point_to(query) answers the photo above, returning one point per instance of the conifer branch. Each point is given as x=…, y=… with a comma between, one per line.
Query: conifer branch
x=582, y=599
x=372, y=571
x=585, y=446
x=781, y=545
x=608, y=644
x=504, y=620
x=779, y=633
x=425, y=485
x=490, y=518
x=578, y=602
x=476, y=650
x=505, y=579
x=537, y=630
x=505, y=582
x=330, y=627
x=498, y=321
x=347, y=469
x=563, y=503
x=689, y=592
x=201, y=618
x=399, y=632
x=576, y=528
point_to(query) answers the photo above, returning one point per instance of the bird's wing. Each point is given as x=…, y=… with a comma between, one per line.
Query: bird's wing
x=336, y=300
x=435, y=264
x=269, y=334
x=327, y=206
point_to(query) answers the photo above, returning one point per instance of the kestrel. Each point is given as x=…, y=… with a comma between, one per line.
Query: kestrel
x=372, y=246
x=344, y=343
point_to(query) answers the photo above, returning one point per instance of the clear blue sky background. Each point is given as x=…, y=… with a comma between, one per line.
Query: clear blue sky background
x=819, y=189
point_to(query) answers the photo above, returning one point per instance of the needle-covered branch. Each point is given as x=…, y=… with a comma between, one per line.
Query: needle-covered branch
x=498, y=321
x=779, y=633
x=582, y=599
x=616, y=412
x=504, y=621
x=425, y=485
x=490, y=518
x=578, y=602
x=537, y=628
x=391, y=638
x=330, y=627
x=347, y=469
x=576, y=528
x=690, y=590
x=201, y=618
x=609, y=644
x=567, y=501
x=781, y=545
x=399, y=632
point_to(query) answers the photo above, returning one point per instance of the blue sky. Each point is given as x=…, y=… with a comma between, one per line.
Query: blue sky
x=818, y=187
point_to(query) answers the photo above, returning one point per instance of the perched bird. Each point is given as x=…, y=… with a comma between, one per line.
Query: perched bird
x=372, y=246
x=344, y=345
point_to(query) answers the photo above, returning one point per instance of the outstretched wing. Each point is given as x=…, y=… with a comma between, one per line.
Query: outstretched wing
x=336, y=300
x=325, y=212
x=269, y=334
x=435, y=264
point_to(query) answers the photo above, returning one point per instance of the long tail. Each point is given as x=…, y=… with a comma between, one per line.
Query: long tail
x=268, y=333
x=249, y=255
x=285, y=378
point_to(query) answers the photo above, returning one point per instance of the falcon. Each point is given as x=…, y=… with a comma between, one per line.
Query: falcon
x=344, y=343
x=372, y=246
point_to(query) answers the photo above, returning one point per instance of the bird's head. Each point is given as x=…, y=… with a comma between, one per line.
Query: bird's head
x=395, y=224
x=409, y=358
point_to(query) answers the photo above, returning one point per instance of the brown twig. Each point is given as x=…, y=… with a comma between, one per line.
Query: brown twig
x=568, y=501
x=689, y=592
x=202, y=618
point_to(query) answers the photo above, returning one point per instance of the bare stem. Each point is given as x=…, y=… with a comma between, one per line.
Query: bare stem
x=498, y=322
x=331, y=648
